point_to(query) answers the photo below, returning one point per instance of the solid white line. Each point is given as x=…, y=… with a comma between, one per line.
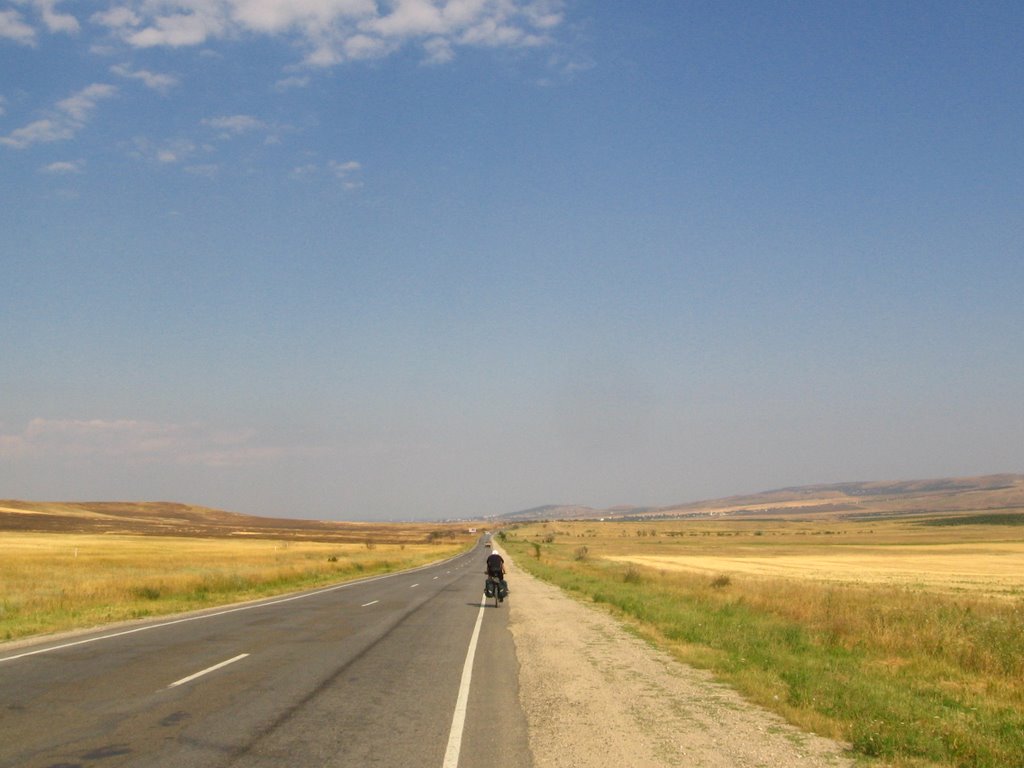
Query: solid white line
x=190, y=678
x=372, y=602
x=451, y=755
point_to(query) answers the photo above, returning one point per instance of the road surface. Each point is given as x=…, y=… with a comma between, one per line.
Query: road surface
x=372, y=673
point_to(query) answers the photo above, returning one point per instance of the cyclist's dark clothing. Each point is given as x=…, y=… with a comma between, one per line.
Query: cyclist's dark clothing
x=495, y=565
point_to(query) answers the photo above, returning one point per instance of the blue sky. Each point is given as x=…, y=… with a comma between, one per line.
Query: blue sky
x=348, y=259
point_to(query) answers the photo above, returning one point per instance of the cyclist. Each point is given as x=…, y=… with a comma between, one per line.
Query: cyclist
x=496, y=569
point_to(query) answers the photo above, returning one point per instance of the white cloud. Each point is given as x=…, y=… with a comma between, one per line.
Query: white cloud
x=192, y=27
x=80, y=105
x=39, y=132
x=167, y=152
x=287, y=83
x=344, y=169
x=161, y=83
x=136, y=442
x=54, y=21
x=348, y=172
x=333, y=31
x=234, y=124
x=65, y=167
x=69, y=116
x=12, y=27
x=438, y=50
x=117, y=18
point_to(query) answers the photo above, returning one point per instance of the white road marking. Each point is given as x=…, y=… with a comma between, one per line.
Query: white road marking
x=413, y=585
x=206, y=671
x=451, y=755
x=372, y=602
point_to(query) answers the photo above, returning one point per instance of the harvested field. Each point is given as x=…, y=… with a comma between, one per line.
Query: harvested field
x=996, y=568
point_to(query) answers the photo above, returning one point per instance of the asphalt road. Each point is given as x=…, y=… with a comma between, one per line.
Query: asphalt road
x=372, y=673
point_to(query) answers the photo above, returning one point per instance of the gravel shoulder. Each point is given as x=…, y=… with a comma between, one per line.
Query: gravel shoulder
x=595, y=696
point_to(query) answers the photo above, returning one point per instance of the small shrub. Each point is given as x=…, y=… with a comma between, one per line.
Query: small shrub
x=721, y=581
x=581, y=553
x=632, y=575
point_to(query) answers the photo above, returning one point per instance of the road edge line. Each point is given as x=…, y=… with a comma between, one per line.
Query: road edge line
x=451, y=755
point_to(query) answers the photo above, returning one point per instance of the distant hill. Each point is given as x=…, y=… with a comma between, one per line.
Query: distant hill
x=171, y=519
x=903, y=497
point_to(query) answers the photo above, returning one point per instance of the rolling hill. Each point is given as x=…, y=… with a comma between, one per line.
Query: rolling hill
x=856, y=499
x=171, y=519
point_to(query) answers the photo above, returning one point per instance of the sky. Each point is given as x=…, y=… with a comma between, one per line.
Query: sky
x=425, y=259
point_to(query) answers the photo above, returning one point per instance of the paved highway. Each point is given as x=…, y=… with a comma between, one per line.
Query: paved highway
x=401, y=670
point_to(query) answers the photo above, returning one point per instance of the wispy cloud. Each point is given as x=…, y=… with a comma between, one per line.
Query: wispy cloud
x=161, y=83
x=79, y=106
x=289, y=83
x=65, y=167
x=54, y=20
x=334, y=31
x=139, y=442
x=68, y=117
x=13, y=27
x=348, y=172
x=167, y=152
x=234, y=124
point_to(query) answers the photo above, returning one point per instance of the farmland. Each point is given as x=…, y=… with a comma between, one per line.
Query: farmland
x=902, y=635
x=68, y=566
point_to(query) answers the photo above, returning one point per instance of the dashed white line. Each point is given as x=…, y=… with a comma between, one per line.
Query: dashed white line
x=206, y=671
x=413, y=585
x=372, y=602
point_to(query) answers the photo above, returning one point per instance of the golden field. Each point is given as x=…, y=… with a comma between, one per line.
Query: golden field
x=985, y=559
x=54, y=580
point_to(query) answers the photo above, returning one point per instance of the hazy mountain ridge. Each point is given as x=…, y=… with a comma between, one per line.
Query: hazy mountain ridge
x=174, y=519
x=901, y=497
x=986, y=492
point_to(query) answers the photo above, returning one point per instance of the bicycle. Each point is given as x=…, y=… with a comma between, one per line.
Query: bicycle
x=494, y=587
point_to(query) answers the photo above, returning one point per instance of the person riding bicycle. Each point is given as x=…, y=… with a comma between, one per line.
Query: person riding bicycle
x=496, y=570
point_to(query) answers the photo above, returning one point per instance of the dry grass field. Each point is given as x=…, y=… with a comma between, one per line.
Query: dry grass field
x=903, y=635
x=65, y=566
x=983, y=559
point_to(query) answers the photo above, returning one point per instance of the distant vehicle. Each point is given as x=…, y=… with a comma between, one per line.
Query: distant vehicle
x=487, y=543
